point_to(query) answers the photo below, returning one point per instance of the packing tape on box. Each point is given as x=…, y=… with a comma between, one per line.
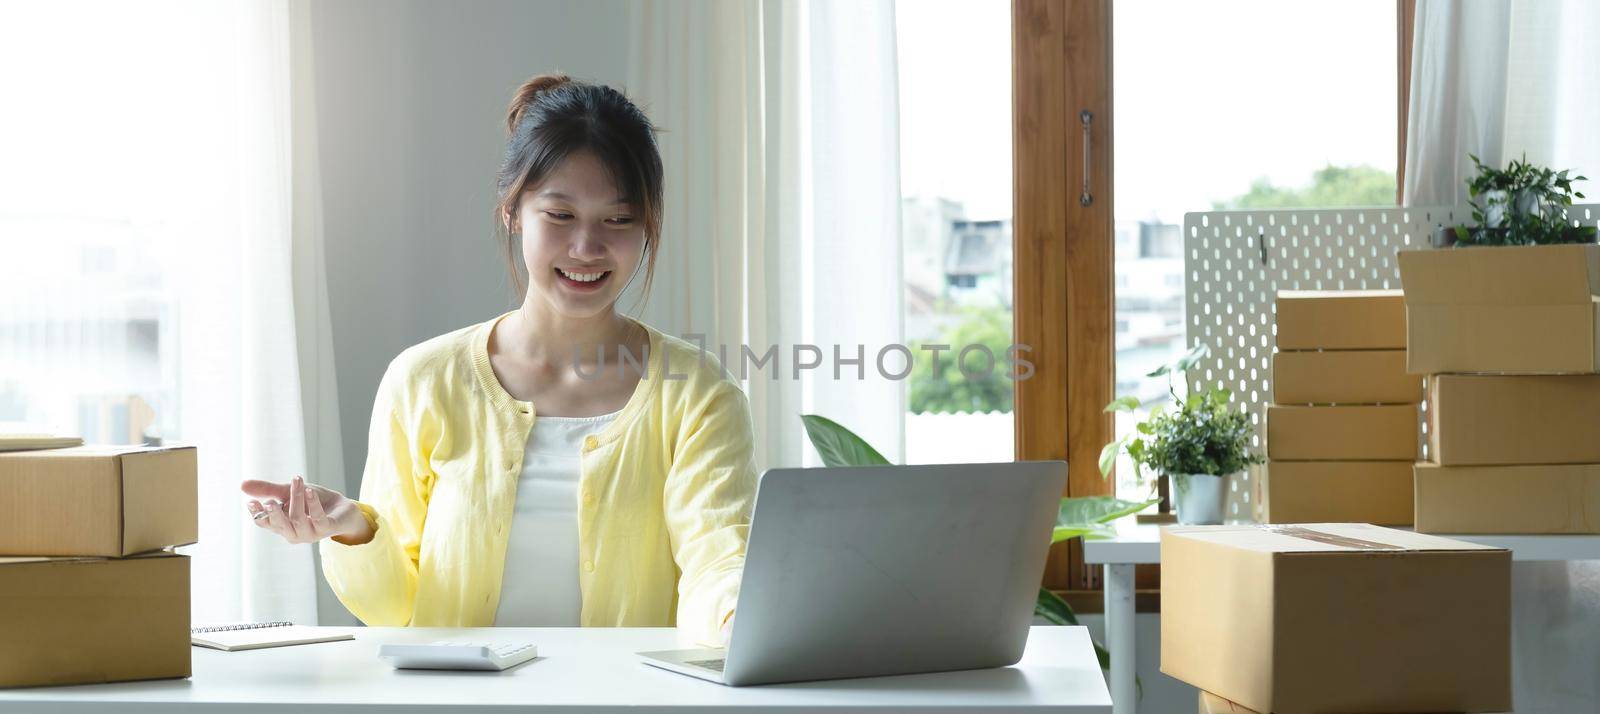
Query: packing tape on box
x=1327, y=538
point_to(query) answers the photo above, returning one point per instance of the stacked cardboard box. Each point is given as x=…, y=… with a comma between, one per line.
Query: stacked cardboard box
x=1511, y=337
x=1342, y=428
x=1213, y=704
x=1336, y=617
x=89, y=588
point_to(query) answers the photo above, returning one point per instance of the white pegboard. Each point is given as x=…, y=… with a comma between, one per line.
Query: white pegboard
x=1237, y=261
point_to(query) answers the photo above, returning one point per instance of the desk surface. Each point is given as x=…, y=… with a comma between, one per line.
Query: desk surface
x=1141, y=543
x=580, y=670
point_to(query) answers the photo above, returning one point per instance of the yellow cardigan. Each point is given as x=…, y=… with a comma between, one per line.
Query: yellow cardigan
x=666, y=489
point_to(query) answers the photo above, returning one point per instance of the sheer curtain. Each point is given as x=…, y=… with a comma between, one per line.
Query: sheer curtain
x=1501, y=79
x=145, y=225
x=782, y=220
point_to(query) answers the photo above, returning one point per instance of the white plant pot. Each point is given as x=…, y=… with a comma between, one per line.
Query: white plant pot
x=1201, y=499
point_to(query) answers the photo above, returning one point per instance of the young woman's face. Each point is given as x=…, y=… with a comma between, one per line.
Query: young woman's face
x=581, y=240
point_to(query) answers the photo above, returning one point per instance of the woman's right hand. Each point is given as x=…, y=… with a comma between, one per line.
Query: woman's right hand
x=303, y=513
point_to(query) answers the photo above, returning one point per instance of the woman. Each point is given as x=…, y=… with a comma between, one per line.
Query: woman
x=560, y=464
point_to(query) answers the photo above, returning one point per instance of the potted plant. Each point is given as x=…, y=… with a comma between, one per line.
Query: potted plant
x=1521, y=205
x=1196, y=445
x=1084, y=516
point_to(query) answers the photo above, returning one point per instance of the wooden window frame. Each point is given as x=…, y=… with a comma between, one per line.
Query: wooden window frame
x=1061, y=65
x=1064, y=300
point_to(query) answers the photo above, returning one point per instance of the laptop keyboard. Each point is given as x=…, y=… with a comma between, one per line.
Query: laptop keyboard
x=714, y=665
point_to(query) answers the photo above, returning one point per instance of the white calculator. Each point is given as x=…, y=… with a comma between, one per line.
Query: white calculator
x=458, y=655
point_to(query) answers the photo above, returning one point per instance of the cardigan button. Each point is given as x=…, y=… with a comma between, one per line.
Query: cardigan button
x=590, y=442
x=588, y=566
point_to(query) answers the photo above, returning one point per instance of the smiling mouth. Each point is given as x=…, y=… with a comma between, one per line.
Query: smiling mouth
x=582, y=280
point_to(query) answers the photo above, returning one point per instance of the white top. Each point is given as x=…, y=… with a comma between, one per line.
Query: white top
x=540, y=586
x=586, y=670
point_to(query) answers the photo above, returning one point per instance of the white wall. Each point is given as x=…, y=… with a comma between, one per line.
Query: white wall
x=410, y=99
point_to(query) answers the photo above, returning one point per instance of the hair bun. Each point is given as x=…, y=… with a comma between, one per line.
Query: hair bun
x=529, y=91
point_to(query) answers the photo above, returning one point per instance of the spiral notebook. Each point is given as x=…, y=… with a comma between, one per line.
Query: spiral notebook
x=256, y=635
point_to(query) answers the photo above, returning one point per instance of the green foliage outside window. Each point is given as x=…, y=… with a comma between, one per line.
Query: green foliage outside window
x=952, y=391
x=1331, y=187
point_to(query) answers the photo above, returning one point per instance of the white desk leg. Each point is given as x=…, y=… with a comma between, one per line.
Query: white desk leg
x=1120, y=637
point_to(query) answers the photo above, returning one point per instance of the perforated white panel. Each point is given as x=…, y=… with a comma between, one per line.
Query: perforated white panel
x=1237, y=261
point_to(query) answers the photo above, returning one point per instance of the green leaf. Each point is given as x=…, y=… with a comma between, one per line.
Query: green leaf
x=1123, y=404
x=1136, y=449
x=1051, y=607
x=1084, y=511
x=1198, y=352
x=1082, y=530
x=1144, y=428
x=839, y=446
x=1108, y=455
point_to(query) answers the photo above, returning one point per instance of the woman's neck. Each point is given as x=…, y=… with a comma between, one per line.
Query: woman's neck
x=548, y=337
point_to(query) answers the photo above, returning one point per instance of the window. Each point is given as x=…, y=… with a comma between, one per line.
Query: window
x=87, y=331
x=1247, y=105
x=955, y=180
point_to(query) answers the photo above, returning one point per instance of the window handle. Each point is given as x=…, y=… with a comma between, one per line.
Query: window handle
x=1087, y=117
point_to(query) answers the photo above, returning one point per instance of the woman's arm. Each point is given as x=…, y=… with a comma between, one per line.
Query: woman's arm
x=710, y=489
x=376, y=579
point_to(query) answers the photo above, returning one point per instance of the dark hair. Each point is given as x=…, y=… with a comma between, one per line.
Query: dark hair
x=552, y=117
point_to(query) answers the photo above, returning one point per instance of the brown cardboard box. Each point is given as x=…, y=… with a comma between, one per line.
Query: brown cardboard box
x=1341, y=320
x=87, y=620
x=1213, y=704
x=1351, y=433
x=1336, y=617
x=1377, y=492
x=1478, y=420
x=1527, y=309
x=1344, y=377
x=1508, y=499
x=97, y=500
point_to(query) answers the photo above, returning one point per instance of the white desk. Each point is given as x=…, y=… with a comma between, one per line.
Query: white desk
x=1141, y=544
x=579, y=670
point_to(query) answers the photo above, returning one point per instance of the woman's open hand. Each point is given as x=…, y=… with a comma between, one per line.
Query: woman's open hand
x=303, y=513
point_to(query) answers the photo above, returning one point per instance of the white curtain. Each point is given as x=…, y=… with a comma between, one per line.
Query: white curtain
x=1501, y=79
x=145, y=217
x=782, y=219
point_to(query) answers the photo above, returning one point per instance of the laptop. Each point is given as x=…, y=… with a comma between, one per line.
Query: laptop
x=882, y=570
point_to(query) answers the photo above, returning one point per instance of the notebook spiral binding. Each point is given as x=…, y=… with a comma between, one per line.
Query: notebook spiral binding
x=246, y=626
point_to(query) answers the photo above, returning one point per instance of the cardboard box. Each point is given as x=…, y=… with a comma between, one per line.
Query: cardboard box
x=1481, y=420
x=1336, y=617
x=1344, y=377
x=1508, y=499
x=88, y=620
x=1377, y=492
x=1341, y=320
x=1524, y=309
x=97, y=500
x=1213, y=704
x=1351, y=433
